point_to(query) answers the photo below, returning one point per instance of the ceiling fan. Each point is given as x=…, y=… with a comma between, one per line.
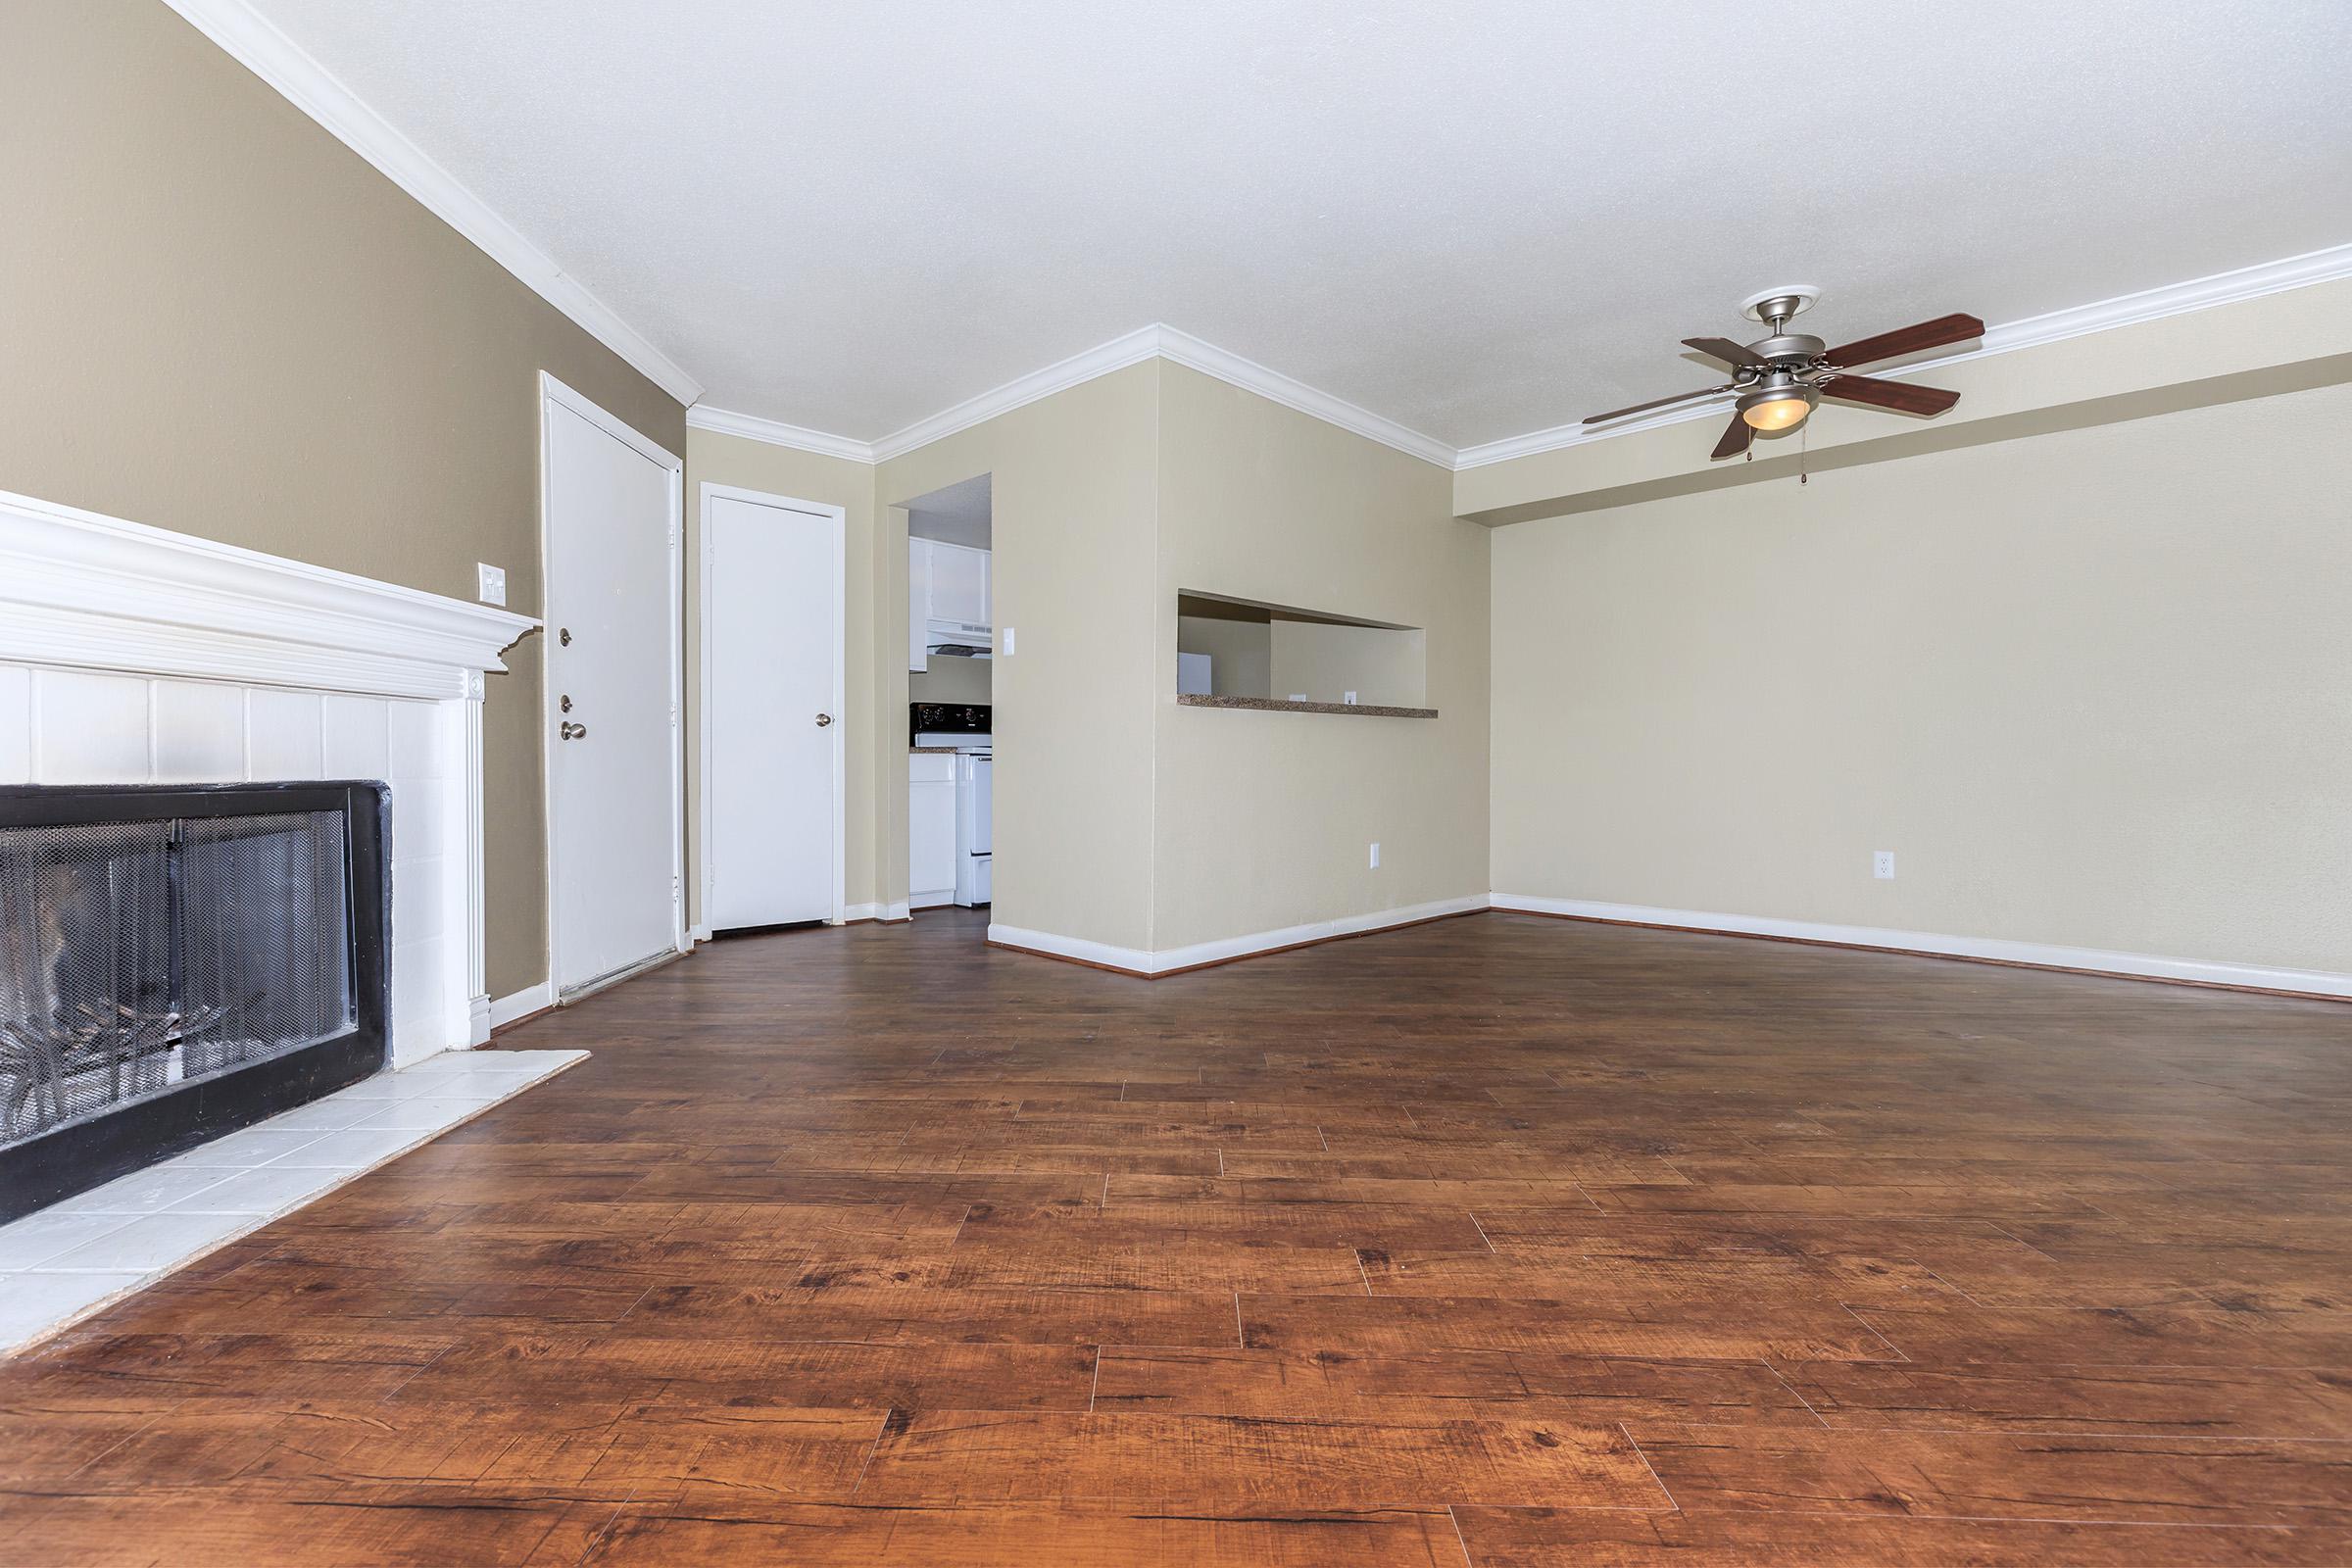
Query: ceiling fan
x=1780, y=377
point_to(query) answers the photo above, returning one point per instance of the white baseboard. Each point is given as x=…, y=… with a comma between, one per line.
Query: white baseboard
x=1135, y=961
x=477, y=1021
x=2094, y=960
x=522, y=1005
x=700, y=933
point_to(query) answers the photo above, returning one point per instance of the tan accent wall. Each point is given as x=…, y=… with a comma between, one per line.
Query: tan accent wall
x=2093, y=687
x=219, y=320
x=1074, y=514
x=875, y=745
x=1263, y=819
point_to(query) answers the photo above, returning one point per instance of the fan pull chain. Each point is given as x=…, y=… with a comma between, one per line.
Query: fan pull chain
x=1804, y=439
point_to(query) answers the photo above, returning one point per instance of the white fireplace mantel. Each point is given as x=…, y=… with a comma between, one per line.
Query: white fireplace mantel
x=131, y=655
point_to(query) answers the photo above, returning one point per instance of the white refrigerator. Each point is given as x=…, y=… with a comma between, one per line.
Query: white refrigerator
x=973, y=843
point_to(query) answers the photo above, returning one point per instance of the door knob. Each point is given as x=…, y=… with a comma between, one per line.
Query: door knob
x=572, y=731
x=822, y=719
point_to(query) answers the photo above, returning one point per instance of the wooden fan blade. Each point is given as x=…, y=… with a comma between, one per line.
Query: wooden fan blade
x=1723, y=349
x=1656, y=403
x=1908, y=340
x=1901, y=396
x=1734, y=439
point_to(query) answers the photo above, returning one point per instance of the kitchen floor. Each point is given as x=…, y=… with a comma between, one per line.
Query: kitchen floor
x=1500, y=1240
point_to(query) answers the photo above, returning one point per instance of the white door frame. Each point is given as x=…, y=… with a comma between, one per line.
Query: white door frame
x=839, y=520
x=554, y=394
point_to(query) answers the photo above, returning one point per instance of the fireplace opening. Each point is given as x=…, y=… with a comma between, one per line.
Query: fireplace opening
x=176, y=963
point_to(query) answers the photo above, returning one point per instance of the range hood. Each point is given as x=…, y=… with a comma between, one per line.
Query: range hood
x=958, y=638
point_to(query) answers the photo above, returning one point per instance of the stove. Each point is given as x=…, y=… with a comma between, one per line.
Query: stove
x=962, y=726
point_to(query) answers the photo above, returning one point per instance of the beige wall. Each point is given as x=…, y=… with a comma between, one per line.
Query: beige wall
x=219, y=320
x=875, y=746
x=948, y=681
x=1264, y=818
x=1071, y=572
x=2093, y=688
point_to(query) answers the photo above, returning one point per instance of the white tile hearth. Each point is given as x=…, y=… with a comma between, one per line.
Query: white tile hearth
x=72, y=1257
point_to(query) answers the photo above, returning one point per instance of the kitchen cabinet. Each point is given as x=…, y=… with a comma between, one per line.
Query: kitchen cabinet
x=944, y=582
x=930, y=828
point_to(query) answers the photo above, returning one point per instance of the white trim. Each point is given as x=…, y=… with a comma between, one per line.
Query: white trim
x=863, y=911
x=554, y=394
x=700, y=933
x=83, y=589
x=255, y=44
x=1135, y=961
x=749, y=427
x=1133, y=348
x=2099, y=315
x=1186, y=350
x=839, y=526
x=2096, y=960
x=1160, y=341
x=522, y=1005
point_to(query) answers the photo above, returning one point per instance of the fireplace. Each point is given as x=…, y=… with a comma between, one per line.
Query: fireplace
x=178, y=962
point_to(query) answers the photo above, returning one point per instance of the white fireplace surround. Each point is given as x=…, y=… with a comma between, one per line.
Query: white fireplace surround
x=131, y=655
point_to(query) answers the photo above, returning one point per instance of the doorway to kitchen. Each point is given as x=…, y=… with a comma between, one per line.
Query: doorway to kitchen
x=951, y=690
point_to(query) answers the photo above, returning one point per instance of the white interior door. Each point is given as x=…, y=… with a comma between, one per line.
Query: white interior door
x=615, y=807
x=772, y=754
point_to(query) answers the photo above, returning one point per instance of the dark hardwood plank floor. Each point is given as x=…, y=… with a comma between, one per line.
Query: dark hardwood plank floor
x=1501, y=1242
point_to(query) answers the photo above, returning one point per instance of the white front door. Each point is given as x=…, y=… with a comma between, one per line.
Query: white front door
x=772, y=680
x=613, y=664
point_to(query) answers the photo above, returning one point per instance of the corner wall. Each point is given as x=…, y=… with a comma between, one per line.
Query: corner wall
x=1074, y=517
x=2093, y=687
x=1263, y=820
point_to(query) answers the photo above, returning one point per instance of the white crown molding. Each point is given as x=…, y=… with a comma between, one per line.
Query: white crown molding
x=1132, y=348
x=723, y=422
x=255, y=44
x=1182, y=348
x=2100, y=316
x=92, y=592
x=1160, y=341
x=2038, y=955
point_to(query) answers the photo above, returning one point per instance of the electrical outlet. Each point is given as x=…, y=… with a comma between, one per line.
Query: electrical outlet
x=1298, y=697
x=493, y=582
x=1375, y=856
x=1349, y=697
x=1882, y=865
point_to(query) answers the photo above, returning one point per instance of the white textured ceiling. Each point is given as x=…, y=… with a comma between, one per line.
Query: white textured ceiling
x=1475, y=219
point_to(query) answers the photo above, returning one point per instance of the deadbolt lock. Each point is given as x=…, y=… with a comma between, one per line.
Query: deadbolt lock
x=564, y=635
x=565, y=700
x=822, y=719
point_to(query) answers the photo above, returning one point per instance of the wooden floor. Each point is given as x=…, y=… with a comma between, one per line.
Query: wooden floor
x=1502, y=1240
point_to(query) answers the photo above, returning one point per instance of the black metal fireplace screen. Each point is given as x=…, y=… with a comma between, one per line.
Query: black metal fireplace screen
x=175, y=963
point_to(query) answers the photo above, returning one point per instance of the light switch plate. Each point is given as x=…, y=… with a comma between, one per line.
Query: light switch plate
x=494, y=582
x=1008, y=641
x=1376, y=856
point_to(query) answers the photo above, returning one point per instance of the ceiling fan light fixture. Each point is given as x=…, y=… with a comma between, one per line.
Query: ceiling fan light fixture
x=1776, y=408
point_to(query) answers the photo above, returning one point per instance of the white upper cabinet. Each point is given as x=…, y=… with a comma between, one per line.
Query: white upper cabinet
x=959, y=584
x=944, y=582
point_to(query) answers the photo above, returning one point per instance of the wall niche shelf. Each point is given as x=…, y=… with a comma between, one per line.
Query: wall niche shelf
x=1278, y=705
